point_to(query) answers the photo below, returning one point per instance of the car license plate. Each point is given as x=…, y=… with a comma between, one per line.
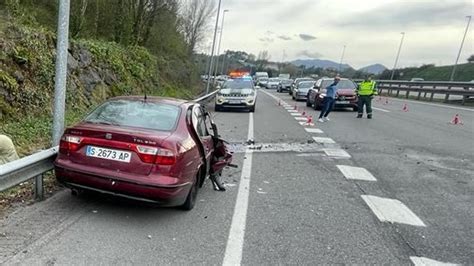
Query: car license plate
x=343, y=102
x=234, y=101
x=109, y=154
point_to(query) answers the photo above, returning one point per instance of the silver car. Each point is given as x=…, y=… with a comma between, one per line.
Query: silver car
x=302, y=89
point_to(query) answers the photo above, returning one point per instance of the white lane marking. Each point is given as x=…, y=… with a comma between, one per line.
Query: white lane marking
x=434, y=104
x=392, y=210
x=300, y=118
x=422, y=261
x=337, y=153
x=295, y=114
x=356, y=173
x=313, y=130
x=288, y=107
x=306, y=124
x=292, y=111
x=380, y=109
x=324, y=140
x=235, y=242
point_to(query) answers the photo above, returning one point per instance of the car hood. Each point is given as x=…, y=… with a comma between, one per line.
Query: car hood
x=346, y=92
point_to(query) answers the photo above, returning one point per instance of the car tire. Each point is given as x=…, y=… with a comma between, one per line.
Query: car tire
x=191, y=198
x=308, y=103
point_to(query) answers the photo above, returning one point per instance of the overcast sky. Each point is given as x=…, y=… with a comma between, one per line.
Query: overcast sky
x=292, y=29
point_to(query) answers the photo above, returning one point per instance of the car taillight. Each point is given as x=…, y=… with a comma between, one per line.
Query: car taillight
x=156, y=155
x=69, y=143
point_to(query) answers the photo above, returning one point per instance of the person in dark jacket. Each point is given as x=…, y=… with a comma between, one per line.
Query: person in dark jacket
x=328, y=101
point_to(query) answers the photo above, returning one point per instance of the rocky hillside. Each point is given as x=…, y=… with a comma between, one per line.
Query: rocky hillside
x=96, y=71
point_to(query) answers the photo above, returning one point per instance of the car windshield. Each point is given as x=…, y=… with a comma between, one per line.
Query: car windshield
x=304, y=79
x=287, y=81
x=343, y=84
x=306, y=85
x=274, y=80
x=263, y=79
x=139, y=114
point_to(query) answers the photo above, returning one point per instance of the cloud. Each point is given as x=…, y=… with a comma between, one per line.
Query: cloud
x=309, y=54
x=404, y=14
x=306, y=37
x=284, y=37
x=269, y=32
x=266, y=39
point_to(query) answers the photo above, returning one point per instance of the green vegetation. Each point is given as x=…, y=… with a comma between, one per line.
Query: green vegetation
x=118, y=47
x=464, y=72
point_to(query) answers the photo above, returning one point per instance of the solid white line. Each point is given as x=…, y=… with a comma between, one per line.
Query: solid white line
x=300, y=118
x=235, y=242
x=422, y=261
x=313, y=130
x=434, y=104
x=391, y=210
x=295, y=114
x=356, y=173
x=380, y=109
x=324, y=140
x=337, y=153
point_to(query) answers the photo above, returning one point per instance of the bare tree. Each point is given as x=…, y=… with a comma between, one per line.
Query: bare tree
x=195, y=18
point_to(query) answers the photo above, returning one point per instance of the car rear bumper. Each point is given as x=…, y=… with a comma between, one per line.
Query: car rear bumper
x=301, y=97
x=164, y=195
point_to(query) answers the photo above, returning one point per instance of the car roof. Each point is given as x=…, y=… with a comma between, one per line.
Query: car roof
x=154, y=99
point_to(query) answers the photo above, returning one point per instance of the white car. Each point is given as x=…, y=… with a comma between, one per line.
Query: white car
x=237, y=93
x=273, y=83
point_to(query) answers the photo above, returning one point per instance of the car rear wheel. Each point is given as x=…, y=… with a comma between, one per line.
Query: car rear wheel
x=192, y=196
x=308, y=103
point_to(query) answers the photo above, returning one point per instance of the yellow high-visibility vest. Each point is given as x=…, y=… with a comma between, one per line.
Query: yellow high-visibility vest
x=367, y=88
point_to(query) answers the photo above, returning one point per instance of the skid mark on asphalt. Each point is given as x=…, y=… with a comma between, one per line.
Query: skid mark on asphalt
x=356, y=173
x=391, y=210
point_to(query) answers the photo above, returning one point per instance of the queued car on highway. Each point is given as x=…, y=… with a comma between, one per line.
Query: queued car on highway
x=285, y=85
x=153, y=149
x=296, y=82
x=346, y=94
x=302, y=89
x=262, y=82
x=237, y=93
x=273, y=83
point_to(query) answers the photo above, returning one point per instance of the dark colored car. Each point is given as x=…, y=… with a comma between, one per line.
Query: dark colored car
x=153, y=149
x=236, y=94
x=302, y=89
x=295, y=83
x=346, y=94
x=285, y=85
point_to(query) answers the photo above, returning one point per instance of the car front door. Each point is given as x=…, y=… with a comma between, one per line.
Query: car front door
x=199, y=124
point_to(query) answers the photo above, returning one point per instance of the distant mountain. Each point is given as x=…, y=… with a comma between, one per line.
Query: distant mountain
x=319, y=63
x=373, y=69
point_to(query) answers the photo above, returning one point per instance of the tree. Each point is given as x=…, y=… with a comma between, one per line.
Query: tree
x=471, y=59
x=194, y=21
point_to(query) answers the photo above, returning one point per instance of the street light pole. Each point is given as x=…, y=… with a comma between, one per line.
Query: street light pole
x=220, y=40
x=211, y=65
x=60, y=77
x=460, y=49
x=342, y=58
x=224, y=62
x=398, y=55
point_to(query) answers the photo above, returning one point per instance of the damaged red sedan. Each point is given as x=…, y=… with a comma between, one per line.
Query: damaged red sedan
x=153, y=149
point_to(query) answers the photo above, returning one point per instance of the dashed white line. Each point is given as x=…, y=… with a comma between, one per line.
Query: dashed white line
x=235, y=242
x=295, y=114
x=380, y=109
x=292, y=111
x=337, y=153
x=422, y=261
x=313, y=130
x=324, y=140
x=392, y=210
x=356, y=173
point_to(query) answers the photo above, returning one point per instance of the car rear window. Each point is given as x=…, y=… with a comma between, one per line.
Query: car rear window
x=139, y=114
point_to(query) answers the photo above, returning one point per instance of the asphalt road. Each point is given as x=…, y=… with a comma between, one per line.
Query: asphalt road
x=290, y=202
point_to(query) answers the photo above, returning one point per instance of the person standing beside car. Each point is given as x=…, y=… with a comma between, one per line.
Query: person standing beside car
x=366, y=92
x=328, y=100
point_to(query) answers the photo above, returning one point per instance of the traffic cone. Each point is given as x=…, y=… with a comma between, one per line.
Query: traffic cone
x=457, y=120
x=386, y=100
x=279, y=102
x=405, y=108
x=296, y=107
x=304, y=113
x=309, y=121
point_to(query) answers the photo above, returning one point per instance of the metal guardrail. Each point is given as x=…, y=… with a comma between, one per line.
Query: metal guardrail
x=447, y=88
x=35, y=165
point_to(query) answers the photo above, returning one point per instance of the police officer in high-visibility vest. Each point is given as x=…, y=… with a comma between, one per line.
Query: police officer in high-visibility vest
x=366, y=92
